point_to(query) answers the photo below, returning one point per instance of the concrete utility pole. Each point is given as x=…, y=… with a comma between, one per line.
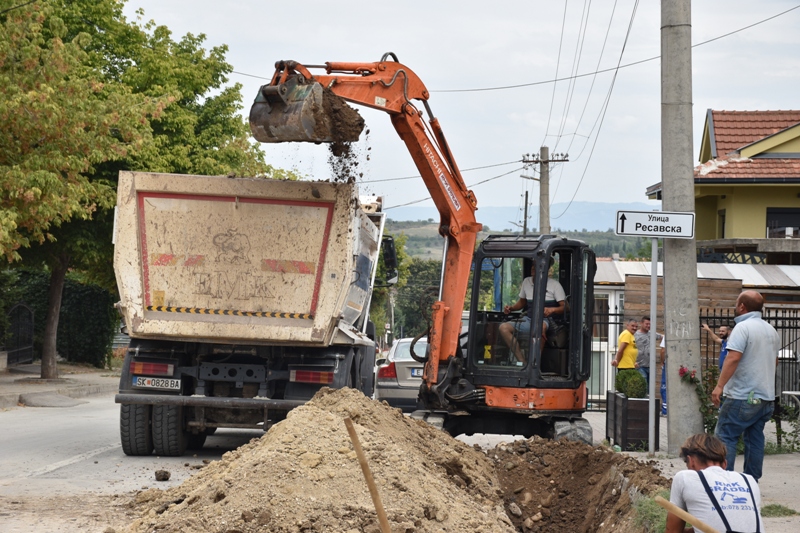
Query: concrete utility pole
x=544, y=183
x=681, y=314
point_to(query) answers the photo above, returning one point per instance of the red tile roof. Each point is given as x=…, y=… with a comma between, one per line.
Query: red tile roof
x=735, y=129
x=761, y=169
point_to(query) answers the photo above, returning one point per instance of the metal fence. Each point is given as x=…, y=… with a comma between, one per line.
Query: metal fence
x=20, y=341
x=608, y=326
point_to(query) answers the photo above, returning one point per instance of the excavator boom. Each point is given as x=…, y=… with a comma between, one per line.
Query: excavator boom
x=299, y=106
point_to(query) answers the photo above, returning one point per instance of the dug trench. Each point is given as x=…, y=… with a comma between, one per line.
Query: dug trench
x=303, y=476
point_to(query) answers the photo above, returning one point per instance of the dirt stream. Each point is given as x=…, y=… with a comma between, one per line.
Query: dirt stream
x=303, y=476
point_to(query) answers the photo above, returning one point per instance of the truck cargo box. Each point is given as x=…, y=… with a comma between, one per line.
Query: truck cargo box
x=243, y=260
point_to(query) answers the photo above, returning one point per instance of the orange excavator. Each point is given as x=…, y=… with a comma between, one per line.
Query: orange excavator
x=522, y=372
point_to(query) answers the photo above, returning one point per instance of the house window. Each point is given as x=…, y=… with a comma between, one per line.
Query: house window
x=721, y=224
x=783, y=222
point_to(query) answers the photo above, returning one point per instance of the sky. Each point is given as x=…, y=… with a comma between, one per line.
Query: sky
x=471, y=55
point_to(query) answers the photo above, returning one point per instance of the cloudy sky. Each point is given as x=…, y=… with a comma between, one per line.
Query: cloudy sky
x=490, y=68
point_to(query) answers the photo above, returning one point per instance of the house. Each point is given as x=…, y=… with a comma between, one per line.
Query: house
x=747, y=188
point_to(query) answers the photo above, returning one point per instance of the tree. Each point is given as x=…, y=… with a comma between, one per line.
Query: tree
x=60, y=120
x=170, y=93
x=379, y=312
x=414, y=301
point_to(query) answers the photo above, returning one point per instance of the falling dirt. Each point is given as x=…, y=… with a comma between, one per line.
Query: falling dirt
x=346, y=126
x=303, y=476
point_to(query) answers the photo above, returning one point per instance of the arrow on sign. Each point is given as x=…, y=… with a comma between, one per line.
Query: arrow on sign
x=622, y=220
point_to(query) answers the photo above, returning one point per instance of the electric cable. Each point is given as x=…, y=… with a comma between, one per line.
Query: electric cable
x=605, y=109
x=468, y=186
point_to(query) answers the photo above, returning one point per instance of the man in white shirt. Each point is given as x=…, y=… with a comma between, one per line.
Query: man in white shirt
x=725, y=500
x=554, y=304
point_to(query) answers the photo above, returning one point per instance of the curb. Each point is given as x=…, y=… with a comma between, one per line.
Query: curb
x=8, y=400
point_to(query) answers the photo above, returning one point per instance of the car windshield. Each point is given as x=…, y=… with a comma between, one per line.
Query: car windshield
x=403, y=351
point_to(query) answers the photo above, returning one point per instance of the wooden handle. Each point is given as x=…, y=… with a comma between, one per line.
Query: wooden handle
x=686, y=517
x=373, y=489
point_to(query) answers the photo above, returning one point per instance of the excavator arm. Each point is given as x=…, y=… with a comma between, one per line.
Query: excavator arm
x=296, y=106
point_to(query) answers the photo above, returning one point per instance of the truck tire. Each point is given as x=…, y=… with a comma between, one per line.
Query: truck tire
x=134, y=429
x=169, y=435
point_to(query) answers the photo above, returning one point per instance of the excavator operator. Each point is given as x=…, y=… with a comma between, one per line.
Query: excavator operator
x=555, y=304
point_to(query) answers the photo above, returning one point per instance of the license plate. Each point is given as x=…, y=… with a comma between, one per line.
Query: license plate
x=156, y=383
x=416, y=372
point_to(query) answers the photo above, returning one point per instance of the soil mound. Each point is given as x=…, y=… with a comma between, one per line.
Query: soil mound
x=303, y=476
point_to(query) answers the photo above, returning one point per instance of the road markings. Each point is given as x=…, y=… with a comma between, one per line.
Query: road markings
x=66, y=462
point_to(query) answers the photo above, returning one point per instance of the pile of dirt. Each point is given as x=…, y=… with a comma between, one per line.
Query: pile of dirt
x=303, y=475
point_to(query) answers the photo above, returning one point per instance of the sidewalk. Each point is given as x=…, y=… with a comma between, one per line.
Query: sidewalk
x=74, y=381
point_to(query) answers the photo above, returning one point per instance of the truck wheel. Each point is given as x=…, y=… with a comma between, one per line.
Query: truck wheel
x=169, y=435
x=134, y=429
x=578, y=430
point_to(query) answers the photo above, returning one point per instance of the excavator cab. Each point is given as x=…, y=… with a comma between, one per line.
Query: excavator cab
x=516, y=375
x=526, y=346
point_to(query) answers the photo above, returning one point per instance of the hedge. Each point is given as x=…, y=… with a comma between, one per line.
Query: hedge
x=87, y=322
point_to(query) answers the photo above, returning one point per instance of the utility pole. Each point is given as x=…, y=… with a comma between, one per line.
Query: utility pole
x=681, y=313
x=544, y=161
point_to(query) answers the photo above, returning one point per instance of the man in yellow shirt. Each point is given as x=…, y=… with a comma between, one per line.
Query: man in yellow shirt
x=627, y=351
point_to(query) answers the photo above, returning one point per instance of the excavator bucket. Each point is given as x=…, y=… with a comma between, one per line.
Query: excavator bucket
x=300, y=110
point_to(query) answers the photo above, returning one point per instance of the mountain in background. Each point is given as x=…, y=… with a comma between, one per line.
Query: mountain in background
x=581, y=216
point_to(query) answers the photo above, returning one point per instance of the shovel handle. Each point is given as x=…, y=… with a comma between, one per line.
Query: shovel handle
x=373, y=488
x=686, y=517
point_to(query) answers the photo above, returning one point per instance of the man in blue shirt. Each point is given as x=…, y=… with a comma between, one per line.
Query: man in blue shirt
x=721, y=339
x=747, y=382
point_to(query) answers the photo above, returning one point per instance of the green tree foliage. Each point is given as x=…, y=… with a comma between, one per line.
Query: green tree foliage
x=61, y=118
x=379, y=311
x=86, y=93
x=414, y=300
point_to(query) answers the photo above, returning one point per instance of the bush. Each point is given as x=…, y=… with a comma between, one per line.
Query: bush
x=87, y=321
x=631, y=383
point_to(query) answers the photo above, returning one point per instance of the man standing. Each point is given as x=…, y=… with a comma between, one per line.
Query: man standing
x=627, y=351
x=747, y=382
x=722, y=340
x=642, y=337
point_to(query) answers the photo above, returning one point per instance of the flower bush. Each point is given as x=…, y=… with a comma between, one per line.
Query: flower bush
x=703, y=386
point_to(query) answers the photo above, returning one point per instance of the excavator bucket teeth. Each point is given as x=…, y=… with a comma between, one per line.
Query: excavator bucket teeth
x=302, y=111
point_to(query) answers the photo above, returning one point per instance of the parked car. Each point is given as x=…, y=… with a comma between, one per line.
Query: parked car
x=399, y=376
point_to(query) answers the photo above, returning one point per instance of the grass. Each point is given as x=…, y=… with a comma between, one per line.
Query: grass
x=775, y=509
x=649, y=515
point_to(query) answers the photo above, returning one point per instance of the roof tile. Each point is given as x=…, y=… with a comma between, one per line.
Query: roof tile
x=735, y=129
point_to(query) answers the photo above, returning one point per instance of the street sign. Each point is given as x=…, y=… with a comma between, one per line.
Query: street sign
x=655, y=224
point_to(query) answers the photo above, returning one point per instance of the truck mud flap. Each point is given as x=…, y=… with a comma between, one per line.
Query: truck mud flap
x=208, y=401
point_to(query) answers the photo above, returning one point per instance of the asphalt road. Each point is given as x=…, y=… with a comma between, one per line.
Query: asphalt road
x=53, y=451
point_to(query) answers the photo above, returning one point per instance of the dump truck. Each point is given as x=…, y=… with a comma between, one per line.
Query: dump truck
x=242, y=298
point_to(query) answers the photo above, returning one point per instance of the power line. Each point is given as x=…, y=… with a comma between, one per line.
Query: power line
x=612, y=69
x=463, y=170
x=556, y=80
x=558, y=64
x=605, y=109
x=12, y=8
x=469, y=186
